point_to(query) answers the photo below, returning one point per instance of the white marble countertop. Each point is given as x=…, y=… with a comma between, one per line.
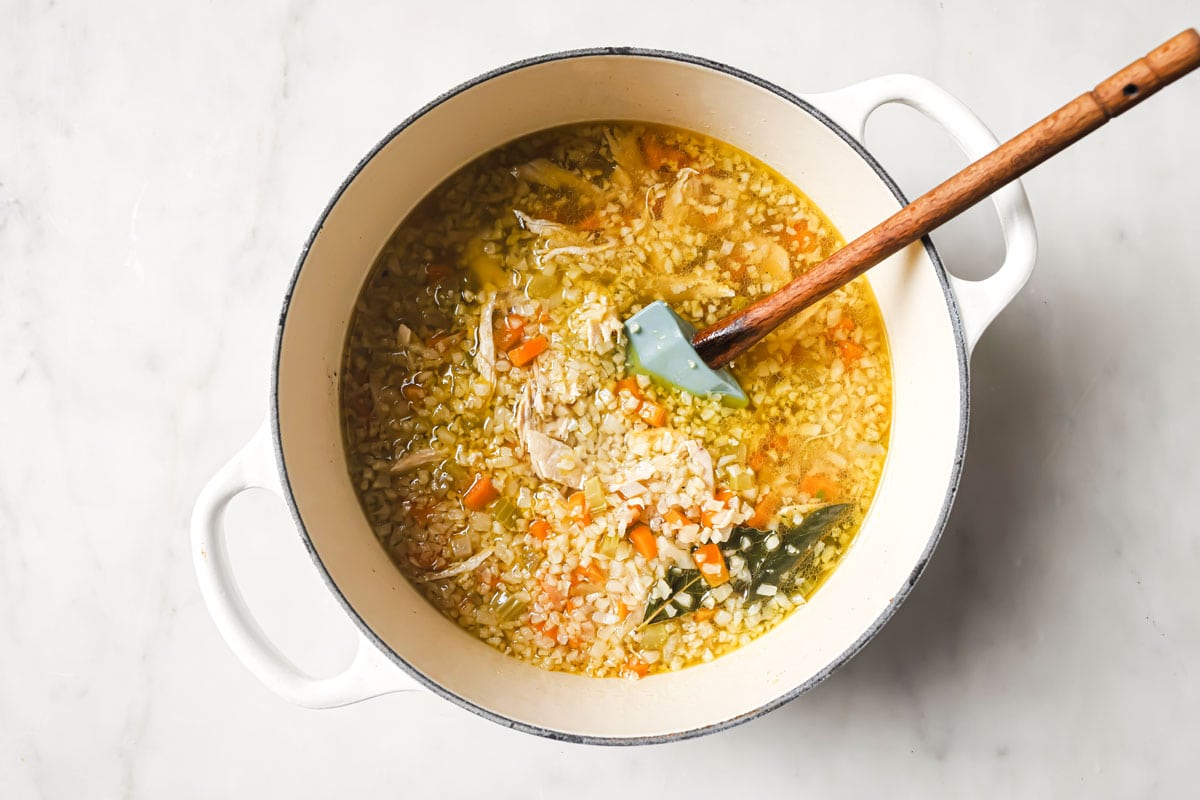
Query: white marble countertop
x=160, y=166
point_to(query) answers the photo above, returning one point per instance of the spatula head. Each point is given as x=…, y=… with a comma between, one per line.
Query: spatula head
x=660, y=345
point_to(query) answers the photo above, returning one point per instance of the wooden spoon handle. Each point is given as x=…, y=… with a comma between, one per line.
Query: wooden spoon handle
x=721, y=343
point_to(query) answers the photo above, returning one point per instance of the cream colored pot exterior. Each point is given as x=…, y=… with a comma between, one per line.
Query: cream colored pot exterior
x=932, y=322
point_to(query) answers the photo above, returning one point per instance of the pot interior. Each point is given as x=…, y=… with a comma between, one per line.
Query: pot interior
x=928, y=415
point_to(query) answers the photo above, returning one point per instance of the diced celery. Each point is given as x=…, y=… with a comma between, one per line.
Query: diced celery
x=504, y=511
x=541, y=287
x=505, y=606
x=593, y=490
x=740, y=480
x=653, y=636
x=608, y=545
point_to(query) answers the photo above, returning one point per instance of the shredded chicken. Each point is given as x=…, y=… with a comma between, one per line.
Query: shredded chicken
x=691, y=287
x=597, y=323
x=535, y=225
x=418, y=458
x=458, y=569
x=701, y=461
x=553, y=460
x=485, y=355
x=675, y=205
x=572, y=250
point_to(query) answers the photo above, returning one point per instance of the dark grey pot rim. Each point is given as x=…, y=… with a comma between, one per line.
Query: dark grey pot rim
x=850, y=652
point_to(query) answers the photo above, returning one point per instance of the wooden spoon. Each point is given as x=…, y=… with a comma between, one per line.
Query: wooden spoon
x=719, y=344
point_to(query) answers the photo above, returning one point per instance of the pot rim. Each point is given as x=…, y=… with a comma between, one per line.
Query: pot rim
x=901, y=594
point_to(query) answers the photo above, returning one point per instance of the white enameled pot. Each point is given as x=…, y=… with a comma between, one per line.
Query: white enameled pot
x=933, y=320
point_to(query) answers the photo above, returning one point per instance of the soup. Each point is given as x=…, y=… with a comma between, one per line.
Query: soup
x=542, y=496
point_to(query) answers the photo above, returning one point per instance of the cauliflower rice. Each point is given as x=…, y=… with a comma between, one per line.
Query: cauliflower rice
x=549, y=502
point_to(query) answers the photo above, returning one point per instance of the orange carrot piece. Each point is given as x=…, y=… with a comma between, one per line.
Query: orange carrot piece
x=437, y=273
x=819, y=486
x=763, y=511
x=657, y=153
x=635, y=666
x=630, y=385
x=540, y=530
x=724, y=495
x=653, y=414
x=592, y=573
x=843, y=325
x=803, y=238
x=511, y=332
x=677, y=517
x=577, y=506
x=643, y=541
x=622, y=609
x=422, y=513
x=850, y=352
x=591, y=222
x=528, y=350
x=703, y=614
x=711, y=563
x=481, y=494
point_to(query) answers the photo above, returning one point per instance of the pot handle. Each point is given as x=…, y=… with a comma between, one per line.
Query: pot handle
x=369, y=673
x=979, y=301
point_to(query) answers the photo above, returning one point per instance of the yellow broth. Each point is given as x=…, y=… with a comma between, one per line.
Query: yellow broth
x=543, y=497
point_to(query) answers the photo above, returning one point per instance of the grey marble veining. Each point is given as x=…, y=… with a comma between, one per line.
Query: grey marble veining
x=160, y=166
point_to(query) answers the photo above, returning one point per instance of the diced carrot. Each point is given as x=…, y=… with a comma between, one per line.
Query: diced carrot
x=819, y=486
x=804, y=239
x=629, y=385
x=577, y=506
x=658, y=153
x=676, y=517
x=653, y=414
x=591, y=222
x=540, y=530
x=528, y=350
x=622, y=609
x=736, y=266
x=643, y=541
x=481, y=494
x=724, y=495
x=511, y=332
x=422, y=513
x=850, y=351
x=635, y=666
x=763, y=511
x=845, y=325
x=778, y=442
x=711, y=563
x=549, y=631
x=437, y=273
x=706, y=518
x=704, y=614
x=592, y=573
x=552, y=597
